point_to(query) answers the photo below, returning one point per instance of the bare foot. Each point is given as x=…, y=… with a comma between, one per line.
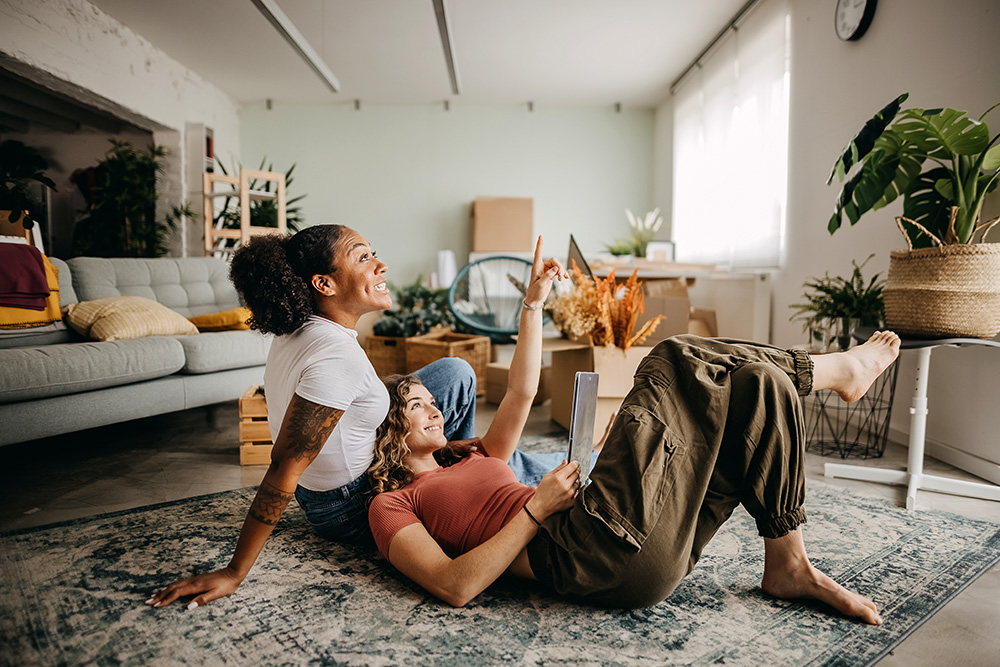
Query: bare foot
x=851, y=373
x=806, y=581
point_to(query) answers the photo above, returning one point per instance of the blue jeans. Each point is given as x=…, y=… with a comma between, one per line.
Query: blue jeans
x=341, y=514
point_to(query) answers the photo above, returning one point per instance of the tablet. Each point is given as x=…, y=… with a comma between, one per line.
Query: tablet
x=581, y=422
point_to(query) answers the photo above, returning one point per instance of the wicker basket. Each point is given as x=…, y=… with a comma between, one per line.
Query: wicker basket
x=951, y=290
x=387, y=354
x=422, y=350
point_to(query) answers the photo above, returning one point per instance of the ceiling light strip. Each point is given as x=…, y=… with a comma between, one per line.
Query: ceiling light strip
x=446, y=43
x=287, y=29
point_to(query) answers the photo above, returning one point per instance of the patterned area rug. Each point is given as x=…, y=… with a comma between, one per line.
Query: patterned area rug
x=73, y=593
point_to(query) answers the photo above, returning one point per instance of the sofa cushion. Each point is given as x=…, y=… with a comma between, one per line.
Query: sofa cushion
x=223, y=350
x=188, y=285
x=118, y=317
x=36, y=372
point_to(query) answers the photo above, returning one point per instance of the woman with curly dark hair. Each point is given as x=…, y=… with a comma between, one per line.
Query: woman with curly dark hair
x=709, y=424
x=324, y=398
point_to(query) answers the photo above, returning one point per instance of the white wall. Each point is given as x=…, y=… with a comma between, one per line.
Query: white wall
x=70, y=46
x=404, y=176
x=937, y=50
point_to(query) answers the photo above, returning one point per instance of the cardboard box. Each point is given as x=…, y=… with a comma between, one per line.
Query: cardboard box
x=615, y=366
x=496, y=383
x=702, y=322
x=502, y=224
x=667, y=297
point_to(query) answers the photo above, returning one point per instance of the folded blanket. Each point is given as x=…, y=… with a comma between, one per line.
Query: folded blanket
x=13, y=318
x=22, y=277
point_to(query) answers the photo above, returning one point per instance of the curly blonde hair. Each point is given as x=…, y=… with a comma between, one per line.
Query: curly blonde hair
x=389, y=470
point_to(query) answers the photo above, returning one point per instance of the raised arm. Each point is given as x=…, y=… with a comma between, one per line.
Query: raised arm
x=501, y=438
x=458, y=580
x=304, y=429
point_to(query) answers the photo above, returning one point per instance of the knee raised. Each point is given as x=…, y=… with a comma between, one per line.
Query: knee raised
x=459, y=370
x=769, y=376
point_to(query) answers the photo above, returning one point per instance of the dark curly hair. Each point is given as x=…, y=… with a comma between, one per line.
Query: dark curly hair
x=272, y=273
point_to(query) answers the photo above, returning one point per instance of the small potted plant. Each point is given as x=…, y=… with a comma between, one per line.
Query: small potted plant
x=20, y=165
x=642, y=232
x=943, y=164
x=416, y=311
x=834, y=307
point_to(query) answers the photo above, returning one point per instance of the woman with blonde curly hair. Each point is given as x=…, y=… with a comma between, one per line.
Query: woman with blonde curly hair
x=709, y=424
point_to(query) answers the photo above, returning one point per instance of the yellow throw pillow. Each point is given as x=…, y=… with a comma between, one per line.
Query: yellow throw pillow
x=226, y=320
x=120, y=317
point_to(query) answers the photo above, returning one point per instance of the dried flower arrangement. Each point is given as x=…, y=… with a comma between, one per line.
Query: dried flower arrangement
x=593, y=308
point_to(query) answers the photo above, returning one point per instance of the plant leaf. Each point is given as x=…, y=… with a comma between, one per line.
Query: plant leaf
x=944, y=131
x=924, y=203
x=864, y=141
x=992, y=160
x=863, y=190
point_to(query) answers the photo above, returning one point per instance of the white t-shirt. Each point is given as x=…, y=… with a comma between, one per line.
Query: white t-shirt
x=322, y=362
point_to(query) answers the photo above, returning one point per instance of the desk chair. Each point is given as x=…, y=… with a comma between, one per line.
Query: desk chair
x=914, y=477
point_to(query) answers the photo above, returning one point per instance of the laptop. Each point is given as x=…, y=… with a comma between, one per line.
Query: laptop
x=575, y=254
x=581, y=422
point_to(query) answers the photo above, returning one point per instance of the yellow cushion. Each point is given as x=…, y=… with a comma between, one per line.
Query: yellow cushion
x=120, y=317
x=226, y=320
x=26, y=318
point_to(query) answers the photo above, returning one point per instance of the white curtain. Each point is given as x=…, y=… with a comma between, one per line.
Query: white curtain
x=731, y=147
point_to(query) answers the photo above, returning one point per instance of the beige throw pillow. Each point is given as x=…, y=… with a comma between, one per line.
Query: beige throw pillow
x=120, y=317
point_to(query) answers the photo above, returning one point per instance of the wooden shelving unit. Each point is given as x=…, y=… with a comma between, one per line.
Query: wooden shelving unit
x=216, y=186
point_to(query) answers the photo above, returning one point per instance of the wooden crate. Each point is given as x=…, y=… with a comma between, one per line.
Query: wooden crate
x=255, y=436
x=387, y=354
x=422, y=350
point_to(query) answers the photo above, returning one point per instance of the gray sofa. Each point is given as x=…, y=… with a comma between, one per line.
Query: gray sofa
x=59, y=382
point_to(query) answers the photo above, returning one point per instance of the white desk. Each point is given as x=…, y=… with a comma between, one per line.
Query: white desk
x=914, y=478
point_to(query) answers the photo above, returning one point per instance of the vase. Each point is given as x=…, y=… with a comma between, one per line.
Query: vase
x=945, y=291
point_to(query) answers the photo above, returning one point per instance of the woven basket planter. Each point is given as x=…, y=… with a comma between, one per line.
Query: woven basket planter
x=951, y=290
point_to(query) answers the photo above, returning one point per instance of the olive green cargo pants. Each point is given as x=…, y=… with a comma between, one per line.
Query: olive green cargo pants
x=707, y=425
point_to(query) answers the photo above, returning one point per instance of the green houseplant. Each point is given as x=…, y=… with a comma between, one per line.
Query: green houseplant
x=942, y=163
x=840, y=304
x=416, y=310
x=21, y=165
x=120, y=216
x=642, y=232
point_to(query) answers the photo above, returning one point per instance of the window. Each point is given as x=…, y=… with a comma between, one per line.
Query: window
x=731, y=147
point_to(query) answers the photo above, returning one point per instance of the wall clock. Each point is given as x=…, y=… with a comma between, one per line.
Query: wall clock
x=853, y=17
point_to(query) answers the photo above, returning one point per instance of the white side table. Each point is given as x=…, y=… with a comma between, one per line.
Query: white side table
x=914, y=477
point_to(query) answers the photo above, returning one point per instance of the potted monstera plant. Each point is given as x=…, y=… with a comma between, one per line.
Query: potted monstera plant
x=942, y=163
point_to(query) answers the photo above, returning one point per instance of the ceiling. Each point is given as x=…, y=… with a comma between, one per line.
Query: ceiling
x=549, y=52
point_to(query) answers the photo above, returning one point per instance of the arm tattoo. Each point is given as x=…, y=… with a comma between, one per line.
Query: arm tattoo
x=269, y=504
x=310, y=426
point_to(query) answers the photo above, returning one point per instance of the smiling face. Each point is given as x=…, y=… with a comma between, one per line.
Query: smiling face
x=358, y=283
x=425, y=422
